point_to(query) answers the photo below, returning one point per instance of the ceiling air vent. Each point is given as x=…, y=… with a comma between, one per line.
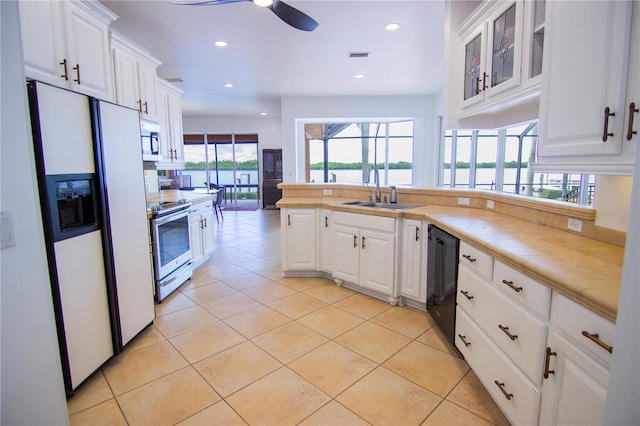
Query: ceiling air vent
x=359, y=54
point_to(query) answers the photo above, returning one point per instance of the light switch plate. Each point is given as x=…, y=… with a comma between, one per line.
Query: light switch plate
x=463, y=201
x=574, y=225
x=327, y=192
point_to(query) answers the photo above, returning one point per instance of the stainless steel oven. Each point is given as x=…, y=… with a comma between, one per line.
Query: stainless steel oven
x=171, y=249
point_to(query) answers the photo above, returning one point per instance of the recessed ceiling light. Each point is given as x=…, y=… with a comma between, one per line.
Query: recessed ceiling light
x=263, y=3
x=221, y=43
x=392, y=26
x=228, y=85
x=263, y=113
x=359, y=76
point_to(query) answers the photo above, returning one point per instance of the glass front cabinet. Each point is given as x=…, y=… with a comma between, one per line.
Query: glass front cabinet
x=502, y=46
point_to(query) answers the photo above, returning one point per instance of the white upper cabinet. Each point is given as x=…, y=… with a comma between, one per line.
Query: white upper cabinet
x=170, y=121
x=584, y=105
x=496, y=63
x=135, y=76
x=67, y=44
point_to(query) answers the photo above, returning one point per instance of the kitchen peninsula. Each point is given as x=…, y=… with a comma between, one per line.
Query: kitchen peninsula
x=535, y=305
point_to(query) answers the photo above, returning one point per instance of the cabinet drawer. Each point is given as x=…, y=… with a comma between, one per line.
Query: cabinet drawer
x=365, y=221
x=480, y=262
x=520, y=401
x=500, y=317
x=522, y=288
x=575, y=321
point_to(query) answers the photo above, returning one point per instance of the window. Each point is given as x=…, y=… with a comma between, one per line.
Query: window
x=345, y=152
x=230, y=161
x=499, y=160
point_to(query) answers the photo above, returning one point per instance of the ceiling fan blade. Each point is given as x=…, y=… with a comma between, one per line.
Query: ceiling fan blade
x=293, y=16
x=204, y=2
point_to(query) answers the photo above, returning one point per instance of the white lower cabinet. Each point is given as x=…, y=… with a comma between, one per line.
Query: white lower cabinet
x=576, y=372
x=413, y=262
x=364, y=251
x=514, y=393
x=325, y=230
x=299, y=239
x=502, y=334
x=201, y=232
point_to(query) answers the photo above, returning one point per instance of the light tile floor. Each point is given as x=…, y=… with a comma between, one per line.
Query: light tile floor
x=239, y=344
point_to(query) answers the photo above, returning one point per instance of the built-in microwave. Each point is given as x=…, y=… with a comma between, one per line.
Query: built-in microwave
x=150, y=140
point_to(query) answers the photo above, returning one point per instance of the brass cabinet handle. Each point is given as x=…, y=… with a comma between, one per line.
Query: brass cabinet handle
x=605, y=131
x=466, y=294
x=77, y=68
x=547, y=360
x=484, y=81
x=417, y=233
x=146, y=109
x=506, y=331
x=355, y=241
x=632, y=111
x=363, y=240
x=469, y=258
x=510, y=284
x=504, y=392
x=477, y=85
x=595, y=337
x=139, y=102
x=289, y=219
x=205, y=222
x=64, y=67
x=467, y=344
x=201, y=223
x=326, y=221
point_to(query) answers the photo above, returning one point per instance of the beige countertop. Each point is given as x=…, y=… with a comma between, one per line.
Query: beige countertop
x=585, y=270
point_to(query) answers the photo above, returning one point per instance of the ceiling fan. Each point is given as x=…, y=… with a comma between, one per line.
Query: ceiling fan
x=288, y=14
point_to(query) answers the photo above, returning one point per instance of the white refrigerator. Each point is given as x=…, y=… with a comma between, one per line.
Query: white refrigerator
x=91, y=186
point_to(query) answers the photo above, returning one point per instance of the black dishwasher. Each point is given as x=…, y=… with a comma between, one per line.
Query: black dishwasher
x=442, y=279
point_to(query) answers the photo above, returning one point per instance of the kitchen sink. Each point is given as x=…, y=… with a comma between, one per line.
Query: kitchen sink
x=373, y=205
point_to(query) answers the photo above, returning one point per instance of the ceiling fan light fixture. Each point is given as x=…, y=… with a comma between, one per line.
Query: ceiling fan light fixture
x=392, y=26
x=263, y=3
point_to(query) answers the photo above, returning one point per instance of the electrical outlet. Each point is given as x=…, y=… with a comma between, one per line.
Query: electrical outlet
x=463, y=201
x=574, y=225
x=490, y=204
x=327, y=192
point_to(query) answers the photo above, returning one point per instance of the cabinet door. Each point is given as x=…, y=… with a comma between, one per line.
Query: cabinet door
x=475, y=76
x=377, y=261
x=576, y=392
x=413, y=283
x=195, y=233
x=88, y=53
x=504, y=49
x=584, y=76
x=175, y=124
x=126, y=76
x=207, y=231
x=148, y=92
x=163, y=122
x=299, y=227
x=43, y=42
x=346, y=253
x=326, y=242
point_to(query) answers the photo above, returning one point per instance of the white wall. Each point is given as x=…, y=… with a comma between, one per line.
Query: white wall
x=612, y=201
x=30, y=373
x=268, y=129
x=298, y=110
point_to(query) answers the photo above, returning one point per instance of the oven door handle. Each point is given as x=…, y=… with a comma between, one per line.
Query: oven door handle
x=161, y=220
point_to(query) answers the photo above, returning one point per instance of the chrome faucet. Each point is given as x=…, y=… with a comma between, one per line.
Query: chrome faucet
x=377, y=177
